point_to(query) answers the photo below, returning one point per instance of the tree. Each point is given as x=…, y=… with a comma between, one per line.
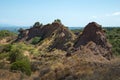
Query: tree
x=37, y=24
x=57, y=20
x=20, y=30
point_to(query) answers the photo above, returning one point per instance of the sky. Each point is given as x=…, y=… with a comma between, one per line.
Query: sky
x=73, y=13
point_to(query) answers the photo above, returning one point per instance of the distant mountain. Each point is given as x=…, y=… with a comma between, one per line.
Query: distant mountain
x=15, y=28
x=6, y=25
x=71, y=28
x=12, y=28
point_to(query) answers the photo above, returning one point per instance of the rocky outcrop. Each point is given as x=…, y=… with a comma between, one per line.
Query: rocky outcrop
x=57, y=32
x=57, y=36
x=93, y=37
x=92, y=32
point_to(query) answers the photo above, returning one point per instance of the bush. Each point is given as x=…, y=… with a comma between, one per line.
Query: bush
x=114, y=38
x=23, y=66
x=19, y=61
x=3, y=55
x=17, y=58
x=6, y=33
x=37, y=24
x=7, y=48
x=15, y=54
x=36, y=40
x=57, y=20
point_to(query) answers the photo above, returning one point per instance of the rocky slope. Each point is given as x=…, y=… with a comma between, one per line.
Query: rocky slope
x=57, y=34
x=90, y=56
x=93, y=38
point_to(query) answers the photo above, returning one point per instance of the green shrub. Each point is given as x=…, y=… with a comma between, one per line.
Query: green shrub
x=3, y=55
x=7, y=48
x=6, y=33
x=37, y=24
x=57, y=20
x=23, y=66
x=36, y=40
x=19, y=61
x=15, y=54
x=114, y=38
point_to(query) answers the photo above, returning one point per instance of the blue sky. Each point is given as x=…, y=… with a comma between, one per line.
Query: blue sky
x=71, y=12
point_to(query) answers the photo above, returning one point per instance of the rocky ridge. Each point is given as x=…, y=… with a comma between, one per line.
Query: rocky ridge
x=57, y=36
x=90, y=56
x=93, y=38
x=60, y=35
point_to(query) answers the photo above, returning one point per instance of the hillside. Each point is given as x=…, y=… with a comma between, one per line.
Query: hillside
x=53, y=52
x=55, y=35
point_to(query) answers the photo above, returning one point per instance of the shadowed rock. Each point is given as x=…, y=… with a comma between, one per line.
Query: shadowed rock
x=55, y=31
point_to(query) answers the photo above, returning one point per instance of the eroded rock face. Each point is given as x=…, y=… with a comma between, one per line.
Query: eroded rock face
x=94, y=33
x=55, y=31
x=60, y=37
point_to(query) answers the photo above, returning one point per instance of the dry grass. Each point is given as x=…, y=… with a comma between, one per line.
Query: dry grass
x=54, y=65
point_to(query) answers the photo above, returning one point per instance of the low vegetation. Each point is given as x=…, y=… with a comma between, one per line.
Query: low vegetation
x=113, y=35
x=22, y=65
x=54, y=65
x=15, y=53
x=36, y=40
x=6, y=33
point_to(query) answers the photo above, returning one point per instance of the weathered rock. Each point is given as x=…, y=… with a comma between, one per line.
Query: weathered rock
x=55, y=31
x=94, y=33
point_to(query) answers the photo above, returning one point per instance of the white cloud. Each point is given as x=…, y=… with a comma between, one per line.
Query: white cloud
x=113, y=14
x=116, y=13
x=106, y=15
x=94, y=16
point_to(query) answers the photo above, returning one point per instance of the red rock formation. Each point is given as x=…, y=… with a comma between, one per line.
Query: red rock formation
x=61, y=34
x=93, y=32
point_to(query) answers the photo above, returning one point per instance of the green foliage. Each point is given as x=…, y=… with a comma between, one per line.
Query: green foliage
x=15, y=52
x=18, y=60
x=3, y=55
x=15, y=55
x=7, y=48
x=113, y=35
x=20, y=30
x=36, y=40
x=23, y=66
x=37, y=24
x=57, y=20
x=77, y=31
x=19, y=48
x=6, y=33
